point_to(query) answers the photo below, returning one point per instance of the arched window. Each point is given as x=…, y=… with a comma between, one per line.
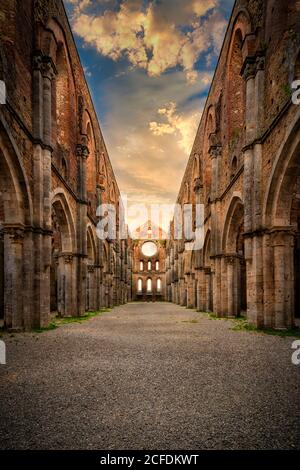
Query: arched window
x=140, y=285
x=141, y=266
x=91, y=162
x=233, y=167
x=64, y=171
x=237, y=91
x=149, y=285
x=157, y=265
x=149, y=266
x=158, y=285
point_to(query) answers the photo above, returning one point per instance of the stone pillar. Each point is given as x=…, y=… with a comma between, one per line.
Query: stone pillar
x=13, y=278
x=207, y=289
x=43, y=74
x=283, y=278
x=231, y=310
x=48, y=73
x=82, y=155
x=68, y=288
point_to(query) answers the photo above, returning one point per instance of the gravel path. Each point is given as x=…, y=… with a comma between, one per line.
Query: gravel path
x=149, y=376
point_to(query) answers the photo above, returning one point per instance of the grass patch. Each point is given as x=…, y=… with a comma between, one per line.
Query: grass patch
x=190, y=321
x=59, y=321
x=241, y=324
x=245, y=326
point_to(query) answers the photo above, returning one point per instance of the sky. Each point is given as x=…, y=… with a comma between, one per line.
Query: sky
x=149, y=65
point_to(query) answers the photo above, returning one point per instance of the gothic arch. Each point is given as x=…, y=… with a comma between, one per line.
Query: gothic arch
x=206, y=250
x=233, y=220
x=91, y=245
x=197, y=167
x=15, y=212
x=209, y=132
x=14, y=186
x=284, y=182
x=64, y=126
x=65, y=221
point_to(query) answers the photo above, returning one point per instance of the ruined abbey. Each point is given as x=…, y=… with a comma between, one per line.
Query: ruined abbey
x=55, y=171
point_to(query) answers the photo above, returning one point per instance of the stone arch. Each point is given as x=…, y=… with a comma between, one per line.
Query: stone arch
x=206, y=250
x=112, y=193
x=91, y=161
x=209, y=134
x=234, y=216
x=65, y=218
x=236, y=94
x=196, y=167
x=62, y=271
x=284, y=178
x=16, y=196
x=64, y=126
x=91, y=287
x=15, y=213
x=186, y=195
x=281, y=215
x=234, y=262
x=91, y=245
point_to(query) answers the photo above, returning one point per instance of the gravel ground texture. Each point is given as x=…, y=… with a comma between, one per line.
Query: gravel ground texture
x=149, y=376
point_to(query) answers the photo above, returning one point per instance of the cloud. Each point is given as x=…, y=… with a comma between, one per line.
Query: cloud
x=149, y=163
x=183, y=126
x=156, y=38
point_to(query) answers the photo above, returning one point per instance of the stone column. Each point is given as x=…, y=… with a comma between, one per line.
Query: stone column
x=207, y=273
x=283, y=278
x=82, y=155
x=43, y=74
x=48, y=73
x=231, y=310
x=68, y=287
x=13, y=278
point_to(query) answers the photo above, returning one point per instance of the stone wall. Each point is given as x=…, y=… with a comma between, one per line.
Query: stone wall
x=244, y=167
x=54, y=172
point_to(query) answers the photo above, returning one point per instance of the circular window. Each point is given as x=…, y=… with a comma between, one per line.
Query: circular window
x=149, y=249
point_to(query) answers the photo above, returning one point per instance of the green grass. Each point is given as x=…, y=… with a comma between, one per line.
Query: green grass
x=60, y=321
x=241, y=324
x=189, y=321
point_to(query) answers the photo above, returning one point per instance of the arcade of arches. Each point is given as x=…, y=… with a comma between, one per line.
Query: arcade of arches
x=244, y=168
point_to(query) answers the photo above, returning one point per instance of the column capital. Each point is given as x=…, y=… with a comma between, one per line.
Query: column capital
x=68, y=259
x=46, y=66
x=249, y=68
x=82, y=151
x=197, y=185
x=215, y=151
x=16, y=234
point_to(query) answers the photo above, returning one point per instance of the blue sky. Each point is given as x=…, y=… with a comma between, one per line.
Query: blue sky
x=149, y=65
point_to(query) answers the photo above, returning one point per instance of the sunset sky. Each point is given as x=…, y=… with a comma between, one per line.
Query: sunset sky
x=149, y=64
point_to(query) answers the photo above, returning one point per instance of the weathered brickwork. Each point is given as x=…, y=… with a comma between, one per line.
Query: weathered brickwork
x=245, y=168
x=54, y=172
